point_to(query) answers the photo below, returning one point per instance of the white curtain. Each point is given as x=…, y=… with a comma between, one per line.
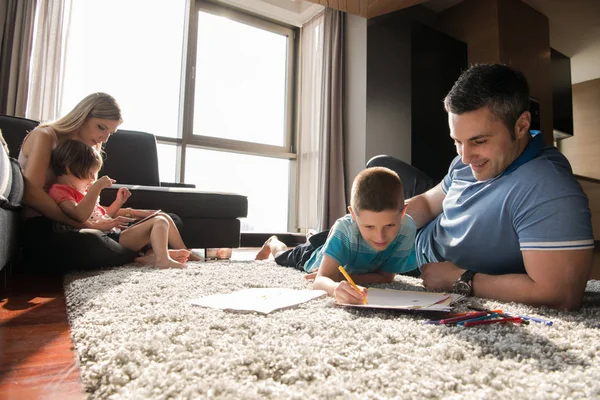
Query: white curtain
x=311, y=67
x=321, y=187
x=52, y=21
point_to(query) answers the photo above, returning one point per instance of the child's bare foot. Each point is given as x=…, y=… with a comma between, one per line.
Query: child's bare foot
x=180, y=255
x=169, y=263
x=194, y=257
x=265, y=250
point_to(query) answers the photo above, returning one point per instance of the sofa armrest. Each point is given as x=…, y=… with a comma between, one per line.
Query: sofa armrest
x=178, y=185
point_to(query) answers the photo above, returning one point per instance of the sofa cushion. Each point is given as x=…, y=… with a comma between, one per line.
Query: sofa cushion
x=186, y=203
x=14, y=130
x=131, y=158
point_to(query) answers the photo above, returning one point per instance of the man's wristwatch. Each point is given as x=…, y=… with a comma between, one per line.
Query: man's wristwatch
x=464, y=284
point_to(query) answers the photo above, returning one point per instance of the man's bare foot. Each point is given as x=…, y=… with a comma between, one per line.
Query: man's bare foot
x=265, y=250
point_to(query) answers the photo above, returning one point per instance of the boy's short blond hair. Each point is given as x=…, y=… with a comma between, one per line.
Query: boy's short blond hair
x=377, y=189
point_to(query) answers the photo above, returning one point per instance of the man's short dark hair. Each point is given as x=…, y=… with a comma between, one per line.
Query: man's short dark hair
x=377, y=189
x=501, y=88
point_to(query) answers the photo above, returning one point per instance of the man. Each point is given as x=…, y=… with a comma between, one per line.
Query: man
x=509, y=221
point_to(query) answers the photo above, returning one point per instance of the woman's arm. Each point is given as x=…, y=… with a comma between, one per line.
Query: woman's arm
x=40, y=144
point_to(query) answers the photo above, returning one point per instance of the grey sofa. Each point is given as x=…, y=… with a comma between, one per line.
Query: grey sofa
x=11, y=194
x=209, y=219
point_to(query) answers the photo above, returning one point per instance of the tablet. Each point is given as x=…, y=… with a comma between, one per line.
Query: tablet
x=154, y=214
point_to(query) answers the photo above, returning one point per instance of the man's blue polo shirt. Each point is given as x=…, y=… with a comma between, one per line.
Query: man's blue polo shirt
x=536, y=204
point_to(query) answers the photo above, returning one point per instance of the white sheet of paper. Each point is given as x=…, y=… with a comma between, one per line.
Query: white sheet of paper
x=263, y=300
x=408, y=300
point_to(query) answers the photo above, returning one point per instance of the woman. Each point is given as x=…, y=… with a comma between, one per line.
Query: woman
x=47, y=247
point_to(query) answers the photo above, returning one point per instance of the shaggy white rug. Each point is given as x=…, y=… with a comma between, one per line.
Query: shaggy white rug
x=137, y=337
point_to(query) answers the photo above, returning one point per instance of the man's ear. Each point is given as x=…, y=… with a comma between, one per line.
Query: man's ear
x=522, y=125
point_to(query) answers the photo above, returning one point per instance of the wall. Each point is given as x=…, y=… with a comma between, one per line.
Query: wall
x=389, y=89
x=355, y=98
x=583, y=149
x=510, y=32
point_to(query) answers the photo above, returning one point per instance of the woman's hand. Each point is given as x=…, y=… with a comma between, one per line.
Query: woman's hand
x=346, y=294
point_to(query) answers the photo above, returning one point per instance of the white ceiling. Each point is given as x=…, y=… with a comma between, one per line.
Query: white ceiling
x=293, y=12
x=574, y=31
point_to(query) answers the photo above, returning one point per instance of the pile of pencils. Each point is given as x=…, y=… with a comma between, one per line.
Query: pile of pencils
x=482, y=316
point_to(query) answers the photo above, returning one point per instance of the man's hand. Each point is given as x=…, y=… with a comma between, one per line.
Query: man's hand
x=440, y=276
x=122, y=195
x=102, y=183
x=345, y=293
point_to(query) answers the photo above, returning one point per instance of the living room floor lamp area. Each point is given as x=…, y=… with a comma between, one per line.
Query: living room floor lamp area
x=222, y=110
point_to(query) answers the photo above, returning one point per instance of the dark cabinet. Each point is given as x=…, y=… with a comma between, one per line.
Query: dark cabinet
x=411, y=67
x=562, y=95
x=437, y=62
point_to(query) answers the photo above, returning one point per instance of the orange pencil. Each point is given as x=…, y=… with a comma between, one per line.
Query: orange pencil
x=351, y=282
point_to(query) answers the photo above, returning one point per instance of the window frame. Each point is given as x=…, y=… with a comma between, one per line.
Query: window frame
x=186, y=129
x=185, y=135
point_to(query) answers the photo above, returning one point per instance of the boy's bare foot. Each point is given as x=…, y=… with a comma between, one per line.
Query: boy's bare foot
x=272, y=246
x=265, y=250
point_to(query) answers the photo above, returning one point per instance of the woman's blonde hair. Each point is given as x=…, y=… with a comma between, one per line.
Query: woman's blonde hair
x=95, y=105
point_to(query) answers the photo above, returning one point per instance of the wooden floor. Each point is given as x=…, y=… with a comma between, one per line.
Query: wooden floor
x=36, y=355
x=37, y=360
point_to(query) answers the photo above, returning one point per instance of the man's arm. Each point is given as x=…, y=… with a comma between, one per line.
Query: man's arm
x=426, y=206
x=554, y=278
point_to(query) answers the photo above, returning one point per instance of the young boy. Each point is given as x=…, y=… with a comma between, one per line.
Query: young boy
x=373, y=243
x=77, y=190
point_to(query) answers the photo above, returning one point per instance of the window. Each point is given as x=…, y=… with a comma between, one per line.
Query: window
x=138, y=60
x=263, y=179
x=216, y=88
x=241, y=71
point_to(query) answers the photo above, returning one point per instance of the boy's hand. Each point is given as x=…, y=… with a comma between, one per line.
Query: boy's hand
x=103, y=182
x=311, y=275
x=345, y=293
x=123, y=194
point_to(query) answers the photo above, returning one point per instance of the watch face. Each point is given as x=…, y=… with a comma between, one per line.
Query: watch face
x=462, y=288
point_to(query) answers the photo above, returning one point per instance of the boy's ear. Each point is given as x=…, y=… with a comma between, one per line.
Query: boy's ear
x=352, y=213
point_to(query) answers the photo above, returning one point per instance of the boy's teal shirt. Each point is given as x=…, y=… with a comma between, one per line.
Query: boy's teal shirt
x=346, y=245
